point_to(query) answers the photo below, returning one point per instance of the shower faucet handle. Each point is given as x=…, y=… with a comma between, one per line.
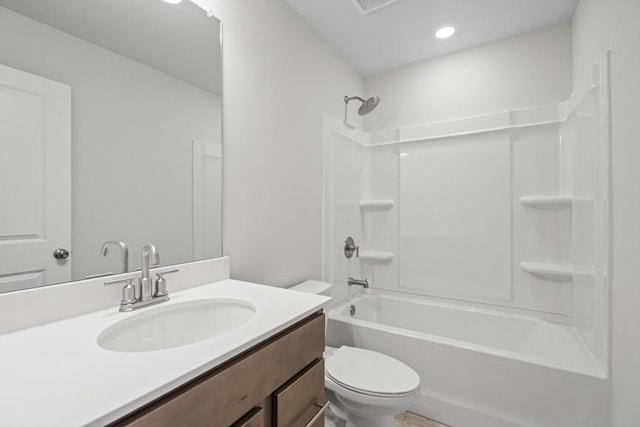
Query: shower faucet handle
x=350, y=248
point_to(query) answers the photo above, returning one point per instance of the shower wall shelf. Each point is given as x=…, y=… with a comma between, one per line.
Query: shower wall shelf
x=547, y=202
x=376, y=256
x=555, y=272
x=376, y=205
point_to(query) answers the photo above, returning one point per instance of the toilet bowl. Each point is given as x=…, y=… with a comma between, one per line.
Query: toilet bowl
x=365, y=388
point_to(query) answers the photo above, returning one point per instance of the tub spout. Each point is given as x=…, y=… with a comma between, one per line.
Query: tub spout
x=364, y=283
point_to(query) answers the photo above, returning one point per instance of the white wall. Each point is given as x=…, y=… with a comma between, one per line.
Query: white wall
x=615, y=25
x=519, y=72
x=347, y=167
x=279, y=79
x=132, y=130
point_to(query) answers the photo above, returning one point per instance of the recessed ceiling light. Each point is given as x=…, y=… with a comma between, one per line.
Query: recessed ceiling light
x=444, y=32
x=172, y=1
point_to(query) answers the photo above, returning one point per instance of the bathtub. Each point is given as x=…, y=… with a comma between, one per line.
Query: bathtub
x=480, y=368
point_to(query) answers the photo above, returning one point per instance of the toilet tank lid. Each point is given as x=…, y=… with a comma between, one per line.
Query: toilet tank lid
x=313, y=287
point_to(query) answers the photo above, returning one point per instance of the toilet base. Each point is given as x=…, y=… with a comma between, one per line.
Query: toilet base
x=334, y=417
x=337, y=416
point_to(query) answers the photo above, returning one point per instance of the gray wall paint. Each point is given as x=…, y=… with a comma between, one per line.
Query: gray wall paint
x=132, y=133
x=279, y=80
x=523, y=71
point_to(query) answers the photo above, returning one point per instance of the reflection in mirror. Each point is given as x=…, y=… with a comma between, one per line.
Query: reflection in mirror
x=110, y=137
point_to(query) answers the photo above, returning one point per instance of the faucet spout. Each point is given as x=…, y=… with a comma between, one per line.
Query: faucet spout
x=150, y=257
x=357, y=282
x=124, y=253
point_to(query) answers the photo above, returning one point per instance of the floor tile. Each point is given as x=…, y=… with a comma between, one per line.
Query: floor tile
x=408, y=419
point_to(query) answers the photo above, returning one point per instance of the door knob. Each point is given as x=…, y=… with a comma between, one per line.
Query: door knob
x=61, y=253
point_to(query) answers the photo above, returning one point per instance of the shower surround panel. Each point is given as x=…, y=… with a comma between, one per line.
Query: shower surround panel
x=455, y=211
x=508, y=211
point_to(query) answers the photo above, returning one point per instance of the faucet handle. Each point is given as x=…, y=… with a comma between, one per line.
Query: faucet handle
x=161, y=283
x=128, y=281
x=128, y=291
x=161, y=274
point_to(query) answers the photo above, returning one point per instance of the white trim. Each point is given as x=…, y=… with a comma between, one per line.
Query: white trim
x=545, y=115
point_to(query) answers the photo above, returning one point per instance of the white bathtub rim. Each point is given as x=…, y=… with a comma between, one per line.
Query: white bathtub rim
x=461, y=305
x=336, y=314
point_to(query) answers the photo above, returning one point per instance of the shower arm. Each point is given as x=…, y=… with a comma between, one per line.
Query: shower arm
x=345, y=116
x=346, y=102
x=351, y=98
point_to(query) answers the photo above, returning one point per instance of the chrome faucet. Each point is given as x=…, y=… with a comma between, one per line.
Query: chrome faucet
x=146, y=293
x=357, y=282
x=124, y=253
x=149, y=256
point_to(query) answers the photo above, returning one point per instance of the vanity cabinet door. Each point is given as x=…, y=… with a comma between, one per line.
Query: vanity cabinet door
x=299, y=402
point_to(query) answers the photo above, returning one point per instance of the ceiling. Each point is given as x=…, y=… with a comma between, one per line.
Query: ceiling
x=403, y=32
x=179, y=40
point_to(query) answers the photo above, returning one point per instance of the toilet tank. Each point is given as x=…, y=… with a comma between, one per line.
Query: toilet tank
x=313, y=287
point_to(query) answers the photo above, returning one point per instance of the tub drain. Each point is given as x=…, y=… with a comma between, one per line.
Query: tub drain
x=352, y=310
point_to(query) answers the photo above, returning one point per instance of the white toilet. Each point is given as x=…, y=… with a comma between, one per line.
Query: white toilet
x=365, y=388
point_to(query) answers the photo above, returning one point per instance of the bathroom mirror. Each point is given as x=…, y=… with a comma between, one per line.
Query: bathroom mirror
x=110, y=130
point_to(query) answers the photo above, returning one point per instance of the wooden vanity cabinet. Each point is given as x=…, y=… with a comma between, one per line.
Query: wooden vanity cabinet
x=279, y=383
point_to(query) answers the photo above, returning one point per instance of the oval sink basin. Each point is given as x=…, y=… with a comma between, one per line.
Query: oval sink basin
x=176, y=325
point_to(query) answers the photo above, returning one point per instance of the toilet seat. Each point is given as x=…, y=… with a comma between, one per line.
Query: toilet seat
x=371, y=373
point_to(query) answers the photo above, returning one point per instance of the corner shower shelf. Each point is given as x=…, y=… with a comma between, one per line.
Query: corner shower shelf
x=555, y=272
x=547, y=202
x=376, y=205
x=376, y=256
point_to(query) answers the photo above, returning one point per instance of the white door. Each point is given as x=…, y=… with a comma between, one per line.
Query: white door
x=207, y=200
x=35, y=180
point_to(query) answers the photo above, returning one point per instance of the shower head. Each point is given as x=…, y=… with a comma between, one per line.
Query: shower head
x=368, y=105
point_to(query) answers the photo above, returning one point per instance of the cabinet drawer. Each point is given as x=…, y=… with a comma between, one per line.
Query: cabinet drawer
x=297, y=403
x=255, y=418
x=222, y=396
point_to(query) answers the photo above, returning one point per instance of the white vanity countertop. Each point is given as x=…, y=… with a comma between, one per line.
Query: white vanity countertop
x=57, y=375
